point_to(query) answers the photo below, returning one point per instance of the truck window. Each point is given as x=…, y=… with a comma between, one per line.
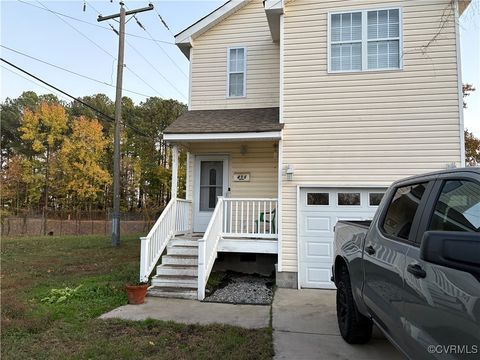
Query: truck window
x=402, y=209
x=458, y=207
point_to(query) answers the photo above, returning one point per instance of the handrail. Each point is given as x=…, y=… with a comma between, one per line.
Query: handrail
x=250, y=218
x=207, y=247
x=173, y=220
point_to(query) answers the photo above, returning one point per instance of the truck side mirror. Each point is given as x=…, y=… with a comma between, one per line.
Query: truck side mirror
x=452, y=249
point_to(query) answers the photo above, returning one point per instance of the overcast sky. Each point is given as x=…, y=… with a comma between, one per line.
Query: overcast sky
x=152, y=68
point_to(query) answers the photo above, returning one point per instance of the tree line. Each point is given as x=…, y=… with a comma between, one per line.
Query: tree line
x=58, y=155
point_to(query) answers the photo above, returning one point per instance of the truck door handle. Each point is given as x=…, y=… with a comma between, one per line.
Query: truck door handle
x=416, y=270
x=370, y=250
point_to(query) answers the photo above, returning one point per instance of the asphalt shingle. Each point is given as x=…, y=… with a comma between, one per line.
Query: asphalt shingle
x=226, y=121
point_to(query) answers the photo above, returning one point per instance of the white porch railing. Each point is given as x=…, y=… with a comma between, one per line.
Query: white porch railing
x=242, y=218
x=207, y=247
x=250, y=218
x=173, y=220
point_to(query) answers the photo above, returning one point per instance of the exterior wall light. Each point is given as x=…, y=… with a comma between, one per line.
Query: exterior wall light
x=289, y=172
x=243, y=149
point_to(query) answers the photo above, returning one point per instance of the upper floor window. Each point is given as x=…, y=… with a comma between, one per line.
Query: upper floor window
x=365, y=40
x=237, y=72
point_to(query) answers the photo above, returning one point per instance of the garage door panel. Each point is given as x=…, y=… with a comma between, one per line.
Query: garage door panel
x=317, y=250
x=316, y=237
x=319, y=277
x=315, y=225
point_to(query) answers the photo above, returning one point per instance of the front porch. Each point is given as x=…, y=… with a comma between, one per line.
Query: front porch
x=231, y=202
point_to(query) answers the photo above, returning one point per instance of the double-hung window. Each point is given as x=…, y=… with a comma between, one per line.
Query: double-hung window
x=237, y=66
x=365, y=40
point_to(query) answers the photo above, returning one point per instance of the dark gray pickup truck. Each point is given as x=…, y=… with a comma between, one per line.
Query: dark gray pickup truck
x=414, y=270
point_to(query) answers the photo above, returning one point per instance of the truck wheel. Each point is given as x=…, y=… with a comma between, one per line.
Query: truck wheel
x=355, y=328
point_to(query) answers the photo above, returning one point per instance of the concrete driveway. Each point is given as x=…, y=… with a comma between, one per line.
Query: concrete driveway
x=305, y=328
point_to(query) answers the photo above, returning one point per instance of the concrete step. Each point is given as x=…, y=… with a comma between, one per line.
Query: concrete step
x=180, y=270
x=182, y=250
x=171, y=292
x=183, y=242
x=175, y=281
x=186, y=260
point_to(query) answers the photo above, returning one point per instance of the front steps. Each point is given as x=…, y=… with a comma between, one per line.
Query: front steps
x=177, y=276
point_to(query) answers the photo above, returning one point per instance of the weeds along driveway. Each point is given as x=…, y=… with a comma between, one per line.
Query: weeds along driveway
x=70, y=329
x=305, y=328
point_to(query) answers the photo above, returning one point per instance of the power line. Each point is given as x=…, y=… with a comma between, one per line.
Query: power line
x=158, y=45
x=33, y=82
x=95, y=25
x=156, y=70
x=93, y=42
x=135, y=74
x=70, y=71
x=105, y=116
x=79, y=32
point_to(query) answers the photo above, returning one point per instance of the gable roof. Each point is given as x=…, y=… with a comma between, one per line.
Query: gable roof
x=184, y=38
x=226, y=121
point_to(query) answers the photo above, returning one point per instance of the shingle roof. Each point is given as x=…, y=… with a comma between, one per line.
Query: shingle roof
x=226, y=121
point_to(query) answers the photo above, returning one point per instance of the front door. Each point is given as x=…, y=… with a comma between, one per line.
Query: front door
x=211, y=181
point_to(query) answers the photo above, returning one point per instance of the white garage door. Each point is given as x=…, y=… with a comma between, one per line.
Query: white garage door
x=320, y=209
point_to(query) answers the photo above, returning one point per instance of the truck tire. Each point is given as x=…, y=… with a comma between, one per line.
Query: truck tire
x=355, y=328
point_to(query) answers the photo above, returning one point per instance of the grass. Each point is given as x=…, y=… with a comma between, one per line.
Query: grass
x=70, y=329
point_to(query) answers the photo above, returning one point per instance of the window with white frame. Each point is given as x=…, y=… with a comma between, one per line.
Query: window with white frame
x=365, y=40
x=237, y=66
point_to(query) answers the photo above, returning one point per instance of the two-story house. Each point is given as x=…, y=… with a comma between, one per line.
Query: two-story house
x=301, y=113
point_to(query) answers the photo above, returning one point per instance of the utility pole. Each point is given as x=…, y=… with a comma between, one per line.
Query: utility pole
x=118, y=116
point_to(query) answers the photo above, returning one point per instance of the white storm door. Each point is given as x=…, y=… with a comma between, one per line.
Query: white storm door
x=211, y=181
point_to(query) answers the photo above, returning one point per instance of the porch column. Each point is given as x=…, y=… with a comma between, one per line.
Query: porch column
x=174, y=171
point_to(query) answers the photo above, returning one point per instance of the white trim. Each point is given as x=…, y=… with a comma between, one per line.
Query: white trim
x=297, y=235
x=263, y=246
x=364, y=40
x=279, y=204
x=184, y=39
x=187, y=177
x=190, y=79
x=282, y=67
x=174, y=172
x=267, y=135
x=244, y=94
x=273, y=5
x=460, y=88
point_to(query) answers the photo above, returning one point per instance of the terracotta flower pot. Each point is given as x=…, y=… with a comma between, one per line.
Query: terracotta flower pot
x=136, y=293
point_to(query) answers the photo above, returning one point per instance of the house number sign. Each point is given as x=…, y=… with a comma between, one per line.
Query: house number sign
x=241, y=177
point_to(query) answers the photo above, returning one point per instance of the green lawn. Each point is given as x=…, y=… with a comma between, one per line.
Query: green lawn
x=69, y=329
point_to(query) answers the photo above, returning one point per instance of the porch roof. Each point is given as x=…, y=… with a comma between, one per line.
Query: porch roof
x=227, y=121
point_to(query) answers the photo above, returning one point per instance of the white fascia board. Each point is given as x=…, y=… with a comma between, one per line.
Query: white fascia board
x=267, y=135
x=184, y=39
x=273, y=10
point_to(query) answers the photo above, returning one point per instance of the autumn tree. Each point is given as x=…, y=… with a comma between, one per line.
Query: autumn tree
x=84, y=178
x=43, y=129
x=472, y=149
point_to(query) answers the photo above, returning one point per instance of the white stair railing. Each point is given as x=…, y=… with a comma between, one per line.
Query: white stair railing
x=207, y=247
x=173, y=220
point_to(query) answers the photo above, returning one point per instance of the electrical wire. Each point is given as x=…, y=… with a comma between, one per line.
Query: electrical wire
x=158, y=45
x=90, y=40
x=105, y=116
x=95, y=25
x=71, y=71
x=33, y=82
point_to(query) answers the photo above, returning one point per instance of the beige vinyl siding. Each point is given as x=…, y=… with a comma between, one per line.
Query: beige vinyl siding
x=367, y=128
x=248, y=27
x=260, y=161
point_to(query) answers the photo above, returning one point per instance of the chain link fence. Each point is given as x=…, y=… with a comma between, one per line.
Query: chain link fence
x=57, y=222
